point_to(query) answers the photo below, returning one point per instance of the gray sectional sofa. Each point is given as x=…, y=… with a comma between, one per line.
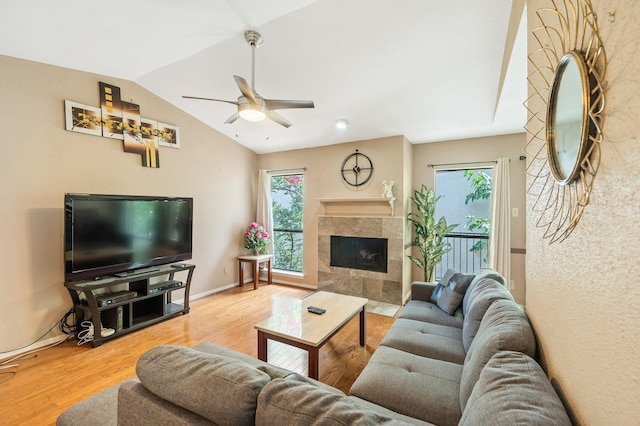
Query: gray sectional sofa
x=463, y=358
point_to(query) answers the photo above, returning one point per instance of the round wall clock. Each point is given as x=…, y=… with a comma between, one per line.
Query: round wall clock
x=356, y=169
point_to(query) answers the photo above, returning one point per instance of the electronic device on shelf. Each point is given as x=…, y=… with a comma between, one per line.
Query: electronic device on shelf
x=118, y=234
x=315, y=310
x=106, y=299
x=164, y=285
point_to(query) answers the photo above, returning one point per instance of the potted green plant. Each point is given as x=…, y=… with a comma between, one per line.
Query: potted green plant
x=429, y=233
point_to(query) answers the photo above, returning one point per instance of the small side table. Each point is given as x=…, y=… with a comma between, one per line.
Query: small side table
x=255, y=260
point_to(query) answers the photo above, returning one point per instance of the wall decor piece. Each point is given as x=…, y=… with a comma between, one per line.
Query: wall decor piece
x=130, y=124
x=356, y=169
x=565, y=124
x=148, y=136
x=118, y=119
x=111, y=106
x=149, y=130
x=82, y=118
x=169, y=135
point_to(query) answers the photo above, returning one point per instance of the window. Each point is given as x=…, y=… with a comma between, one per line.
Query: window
x=287, y=203
x=466, y=201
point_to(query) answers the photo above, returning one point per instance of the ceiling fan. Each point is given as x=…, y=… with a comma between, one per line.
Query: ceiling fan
x=252, y=106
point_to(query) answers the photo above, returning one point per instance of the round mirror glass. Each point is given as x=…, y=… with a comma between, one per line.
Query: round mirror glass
x=567, y=118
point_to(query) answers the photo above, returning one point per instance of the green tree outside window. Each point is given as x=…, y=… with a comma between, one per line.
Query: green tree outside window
x=287, y=194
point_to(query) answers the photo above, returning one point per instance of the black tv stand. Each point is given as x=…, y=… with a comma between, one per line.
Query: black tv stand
x=151, y=304
x=135, y=272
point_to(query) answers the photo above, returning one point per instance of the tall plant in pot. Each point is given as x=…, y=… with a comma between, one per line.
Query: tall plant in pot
x=429, y=233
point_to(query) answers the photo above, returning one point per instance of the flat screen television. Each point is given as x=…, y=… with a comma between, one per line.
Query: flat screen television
x=117, y=234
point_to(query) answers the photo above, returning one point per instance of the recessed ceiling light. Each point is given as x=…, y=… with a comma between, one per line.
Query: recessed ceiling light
x=342, y=123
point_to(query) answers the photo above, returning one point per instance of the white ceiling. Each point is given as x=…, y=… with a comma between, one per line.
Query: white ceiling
x=431, y=70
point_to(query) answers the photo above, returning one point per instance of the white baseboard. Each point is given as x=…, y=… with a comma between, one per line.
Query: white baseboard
x=294, y=284
x=207, y=293
x=34, y=346
x=62, y=337
x=228, y=286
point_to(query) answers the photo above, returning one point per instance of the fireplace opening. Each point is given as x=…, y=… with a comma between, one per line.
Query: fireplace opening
x=368, y=254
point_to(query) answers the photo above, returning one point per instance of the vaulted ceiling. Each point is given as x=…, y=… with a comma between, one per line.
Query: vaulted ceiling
x=431, y=70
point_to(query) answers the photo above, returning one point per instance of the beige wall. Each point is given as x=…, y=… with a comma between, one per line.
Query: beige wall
x=323, y=180
x=40, y=161
x=583, y=293
x=407, y=277
x=396, y=159
x=483, y=149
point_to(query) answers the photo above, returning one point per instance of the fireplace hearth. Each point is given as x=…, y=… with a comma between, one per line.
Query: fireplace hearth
x=366, y=254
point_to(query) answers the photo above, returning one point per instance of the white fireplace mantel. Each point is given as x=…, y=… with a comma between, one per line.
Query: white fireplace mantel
x=371, y=206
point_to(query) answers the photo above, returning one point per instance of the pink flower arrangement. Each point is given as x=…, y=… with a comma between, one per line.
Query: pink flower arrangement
x=256, y=237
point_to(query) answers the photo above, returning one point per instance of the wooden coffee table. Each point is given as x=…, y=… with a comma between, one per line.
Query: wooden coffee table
x=302, y=329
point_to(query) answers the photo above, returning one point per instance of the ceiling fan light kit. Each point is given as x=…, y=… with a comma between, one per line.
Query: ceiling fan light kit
x=252, y=112
x=342, y=123
x=250, y=105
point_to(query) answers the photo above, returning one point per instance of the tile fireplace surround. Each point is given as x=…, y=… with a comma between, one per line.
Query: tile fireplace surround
x=383, y=287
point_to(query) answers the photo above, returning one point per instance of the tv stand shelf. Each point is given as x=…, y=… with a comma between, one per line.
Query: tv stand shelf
x=124, y=311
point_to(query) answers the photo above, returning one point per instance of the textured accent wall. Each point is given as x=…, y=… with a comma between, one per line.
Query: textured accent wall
x=582, y=295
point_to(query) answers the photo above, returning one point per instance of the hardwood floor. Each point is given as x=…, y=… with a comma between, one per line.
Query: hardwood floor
x=56, y=378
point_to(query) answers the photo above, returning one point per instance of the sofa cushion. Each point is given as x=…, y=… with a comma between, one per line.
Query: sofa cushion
x=513, y=390
x=218, y=388
x=504, y=327
x=481, y=297
x=428, y=312
x=273, y=371
x=482, y=275
x=421, y=290
x=137, y=406
x=378, y=409
x=426, y=339
x=97, y=410
x=290, y=402
x=423, y=388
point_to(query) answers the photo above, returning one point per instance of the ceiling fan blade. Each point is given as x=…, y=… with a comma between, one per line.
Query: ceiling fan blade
x=286, y=104
x=210, y=99
x=245, y=89
x=274, y=116
x=232, y=119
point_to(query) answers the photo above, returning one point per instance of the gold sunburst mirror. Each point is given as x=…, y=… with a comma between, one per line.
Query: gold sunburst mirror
x=566, y=105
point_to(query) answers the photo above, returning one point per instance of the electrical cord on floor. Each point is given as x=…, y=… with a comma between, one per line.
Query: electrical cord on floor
x=65, y=327
x=86, y=335
x=6, y=364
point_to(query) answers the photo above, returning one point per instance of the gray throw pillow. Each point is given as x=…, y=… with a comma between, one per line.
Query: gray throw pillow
x=460, y=282
x=435, y=294
x=452, y=291
x=449, y=300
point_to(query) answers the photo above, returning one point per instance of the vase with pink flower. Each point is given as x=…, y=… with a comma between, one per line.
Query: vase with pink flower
x=256, y=238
